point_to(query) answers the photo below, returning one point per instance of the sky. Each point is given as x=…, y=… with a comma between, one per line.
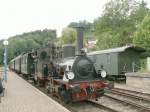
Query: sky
x=19, y=16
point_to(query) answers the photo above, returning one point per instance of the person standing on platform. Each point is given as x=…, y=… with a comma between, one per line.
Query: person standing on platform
x=1, y=89
x=1, y=86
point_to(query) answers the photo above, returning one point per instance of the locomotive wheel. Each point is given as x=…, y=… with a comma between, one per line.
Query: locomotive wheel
x=28, y=77
x=39, y=83
x=35, y=82
x=66, y=96
x=48, y=88
x=48, y=91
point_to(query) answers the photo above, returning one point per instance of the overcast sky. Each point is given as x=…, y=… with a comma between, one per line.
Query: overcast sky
x=18, y=16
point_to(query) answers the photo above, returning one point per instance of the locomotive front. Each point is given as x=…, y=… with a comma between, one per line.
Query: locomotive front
x=80, y=81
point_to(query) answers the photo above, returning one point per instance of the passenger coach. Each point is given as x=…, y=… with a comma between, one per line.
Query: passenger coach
x=117, y=61
x=27, y=64
x=17, y=62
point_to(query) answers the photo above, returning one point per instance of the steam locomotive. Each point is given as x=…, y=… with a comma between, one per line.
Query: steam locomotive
x=65, y=75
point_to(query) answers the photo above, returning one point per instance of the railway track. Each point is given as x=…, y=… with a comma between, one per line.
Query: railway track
x=143, y=104
x=134, y=96
x=108, y=109
x=139, y=107
x=145, y=95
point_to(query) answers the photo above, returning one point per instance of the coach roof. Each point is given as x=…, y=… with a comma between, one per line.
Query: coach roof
x=119, y=49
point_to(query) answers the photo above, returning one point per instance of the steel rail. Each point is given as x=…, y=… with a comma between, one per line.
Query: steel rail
x=130, y=95
x=141, y=108
x=131, y=91
x=101, y=106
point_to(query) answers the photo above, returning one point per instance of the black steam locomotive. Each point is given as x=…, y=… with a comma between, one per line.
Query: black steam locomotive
x=65, y=75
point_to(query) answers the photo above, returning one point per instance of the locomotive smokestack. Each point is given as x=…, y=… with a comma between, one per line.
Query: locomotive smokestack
x=79, y=30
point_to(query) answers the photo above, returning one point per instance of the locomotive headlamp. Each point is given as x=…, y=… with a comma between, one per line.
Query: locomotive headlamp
x=103, y=73
x=70, y=75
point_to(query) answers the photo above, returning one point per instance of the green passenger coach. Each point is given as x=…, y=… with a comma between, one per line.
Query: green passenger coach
x=27, y=64
x=117, y=61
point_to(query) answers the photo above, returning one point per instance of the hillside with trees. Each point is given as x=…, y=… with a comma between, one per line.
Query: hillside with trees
x=26, y=42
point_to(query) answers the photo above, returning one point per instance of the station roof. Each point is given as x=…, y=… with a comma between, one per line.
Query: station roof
x=19, y=56
x=118, y=49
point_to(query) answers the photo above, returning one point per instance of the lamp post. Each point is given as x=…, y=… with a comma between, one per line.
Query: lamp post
x=5, y=42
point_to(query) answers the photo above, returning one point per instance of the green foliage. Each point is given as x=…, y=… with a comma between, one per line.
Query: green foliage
x=26, y=42
x=107, y=40
x=88, y=28
x=142, y=36
x=143, y=63
x=118, y=23
x=138, y=14
x=68, y=36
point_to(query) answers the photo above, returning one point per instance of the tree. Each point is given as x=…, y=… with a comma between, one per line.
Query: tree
x=118, y=22
x=142, y=36
x=108, y=40
x=88, y=28
x=26, y=42
x=139, y=13
x=68, y=36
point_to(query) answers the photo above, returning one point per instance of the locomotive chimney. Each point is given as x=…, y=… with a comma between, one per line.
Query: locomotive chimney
x=79, y=30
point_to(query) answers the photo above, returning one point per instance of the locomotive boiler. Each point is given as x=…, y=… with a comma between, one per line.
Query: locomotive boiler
x=79, y=80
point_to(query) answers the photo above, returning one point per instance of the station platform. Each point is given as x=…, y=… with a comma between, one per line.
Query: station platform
x=136, y=81
x=20, y=96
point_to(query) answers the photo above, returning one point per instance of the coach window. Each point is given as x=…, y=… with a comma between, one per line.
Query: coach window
x=70, y=67
x=26, y=60
x=108, y=58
